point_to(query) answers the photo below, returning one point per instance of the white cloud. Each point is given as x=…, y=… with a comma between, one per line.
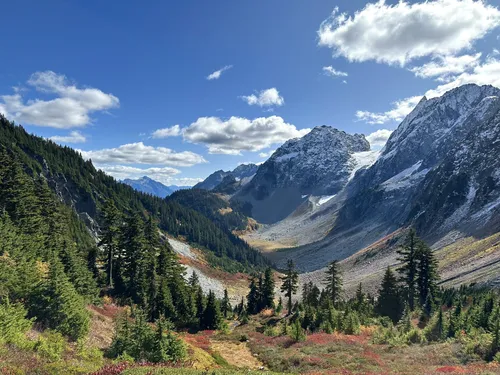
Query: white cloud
x=379, y=138
x=139, y=153
x=173, y=131
x=73, y=137
x=124, y=171
x=266, y=154
x=402, y=32
x=332, y=72
x=400, y=109
x=163, y=175
x=487, y=73
x=218, y=73
x=71, y=107
x=238, y=134
x=444, y=67
x=265, y=98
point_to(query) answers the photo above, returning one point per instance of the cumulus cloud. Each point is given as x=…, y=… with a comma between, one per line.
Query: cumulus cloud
x=397, y=34
x=71, y=107
x=139, y=153
x=173, y=131
x=265, y=98
x=444, y=68
x=218, y=73
x=332, y=72
x=379, y=138
x=73, y=137
x=238, y=134
x=400, y=109
x=487, y=73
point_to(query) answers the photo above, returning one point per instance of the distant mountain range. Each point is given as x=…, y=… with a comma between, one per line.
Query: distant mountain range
x=150, y=186
x=243, y=173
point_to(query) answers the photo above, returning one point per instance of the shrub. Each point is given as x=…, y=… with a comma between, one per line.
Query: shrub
x=50, y=345
x=296, y=332
x=496, y=358
x=271, y=331
x=415, y=336
x=13, y=323
x=350, y=324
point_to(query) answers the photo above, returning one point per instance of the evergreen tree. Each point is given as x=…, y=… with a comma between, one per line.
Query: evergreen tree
x=427, y=278
x=389, y=301
x=408, y=255
x=268, y=289
x=290, y=283
x=109, y=237
x=56, y=304
x=333, y=282
x=253, y=298
x=225, y=305
x=212, y=317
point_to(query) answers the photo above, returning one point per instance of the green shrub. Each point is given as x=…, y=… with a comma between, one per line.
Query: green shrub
x=350, y=324
x=496, y=358
x=296, y=332
x=50, y=345
x=13, y=323
x=415, y=336
x=271, y=331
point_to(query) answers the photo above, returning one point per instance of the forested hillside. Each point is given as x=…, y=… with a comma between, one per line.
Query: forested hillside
x=80, y=185
x=229, y=215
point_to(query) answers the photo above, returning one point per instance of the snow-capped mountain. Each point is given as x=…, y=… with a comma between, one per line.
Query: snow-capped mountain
x=318, y=164
x=243, y=172
x=150, y=186
x=439, y=171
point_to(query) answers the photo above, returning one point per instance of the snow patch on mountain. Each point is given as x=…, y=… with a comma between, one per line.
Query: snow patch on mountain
x=363, y=159
x=324, y=199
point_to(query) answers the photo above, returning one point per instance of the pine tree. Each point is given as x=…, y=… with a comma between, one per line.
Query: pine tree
x=409, y=256
x=333, y=282
x=290, y=283
x=268, y=289
x=389, y=301
x=109, y=237
x=427, y=278
x=225, y=305
x=56, y=304
x=253, y=297
x=212, y=317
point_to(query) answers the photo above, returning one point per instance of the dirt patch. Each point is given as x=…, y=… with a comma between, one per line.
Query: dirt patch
x=237, y=354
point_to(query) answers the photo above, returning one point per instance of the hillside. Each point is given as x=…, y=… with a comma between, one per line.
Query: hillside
x=228, y=215
x=85, y=189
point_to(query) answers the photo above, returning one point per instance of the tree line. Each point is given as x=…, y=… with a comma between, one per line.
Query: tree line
x=409, y=292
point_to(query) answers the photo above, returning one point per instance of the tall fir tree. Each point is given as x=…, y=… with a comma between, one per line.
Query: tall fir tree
x=333, y=282
x=427, y=277
x=290, y=283
x=408, y=256
x=389, y=302
x=268, y=289
x=110, y=237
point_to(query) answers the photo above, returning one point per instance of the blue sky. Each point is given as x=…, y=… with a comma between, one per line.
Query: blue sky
x=103, y=77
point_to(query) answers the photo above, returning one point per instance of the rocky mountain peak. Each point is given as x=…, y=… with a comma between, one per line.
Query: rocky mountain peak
x=319, y=163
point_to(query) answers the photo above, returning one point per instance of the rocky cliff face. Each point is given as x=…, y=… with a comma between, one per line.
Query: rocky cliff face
x=439, y=171
x=320, y=163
